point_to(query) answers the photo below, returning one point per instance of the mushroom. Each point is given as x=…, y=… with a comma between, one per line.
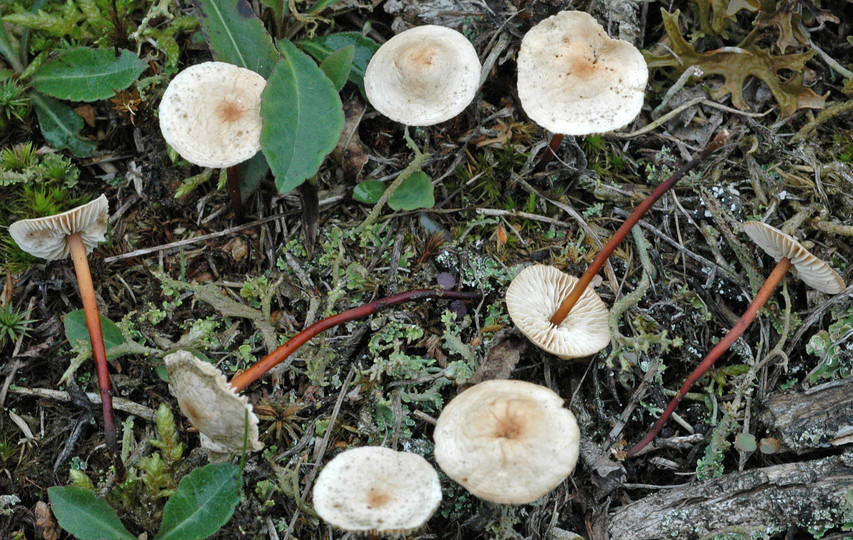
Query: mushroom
x=211, y=115
x=787, y=252
x=506, y=441
x=535, y=294
x=211, y=404
x=377, y=490
x=77, y=232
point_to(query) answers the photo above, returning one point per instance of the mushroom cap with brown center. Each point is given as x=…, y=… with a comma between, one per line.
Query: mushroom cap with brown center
x=375, y=489
x=46, y=237
x=814, y=272
x=423, y=76
x=211, y=114
x=574, y=79
x=535, y=295
x=211, y=404
x=508, y=442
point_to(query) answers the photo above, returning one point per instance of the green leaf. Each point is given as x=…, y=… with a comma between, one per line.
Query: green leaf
x=85, y=74
x=323, y=46
x=85, y=516
x=303, y=118
x=252, y=171
x=76, y=330
x=338, y=65
x=204, y=502
x=60, y=124
x=369, y=191
x=236, y=35
x=415, y=192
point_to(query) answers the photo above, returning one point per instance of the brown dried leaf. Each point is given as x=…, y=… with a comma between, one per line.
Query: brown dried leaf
x=505, y=353
x=45, y=521
x=349, y=152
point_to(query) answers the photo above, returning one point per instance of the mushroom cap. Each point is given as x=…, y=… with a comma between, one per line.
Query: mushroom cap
x=508, y=442
x=814, y=272
x=212, y=406
x=423, y=76
x=211, y=114
x=576, y=80
x=535, y=295
x=45, y=237
x=375, y=489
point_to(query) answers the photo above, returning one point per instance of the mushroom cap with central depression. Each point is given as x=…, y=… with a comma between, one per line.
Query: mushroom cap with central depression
x=46, y=237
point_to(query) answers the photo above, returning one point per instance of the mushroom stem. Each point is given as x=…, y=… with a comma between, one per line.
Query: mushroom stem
x=569, y=302
x=274, y=358
x=550, y=151
x=233, y=175
x=742, y=324
x=99, y=353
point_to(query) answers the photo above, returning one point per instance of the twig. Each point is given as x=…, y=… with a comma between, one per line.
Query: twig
x=836, y=109
x=119, y=403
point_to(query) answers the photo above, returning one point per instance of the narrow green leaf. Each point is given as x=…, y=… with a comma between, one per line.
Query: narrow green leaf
x=84, y=74
x=236, y=35
x=85, y=516
x=204, y=502
x=415, y=192
x=322, y=46
x=76, y=330
x=337, y=66
x=60, y=124
x=369, y=191
x=303, y=118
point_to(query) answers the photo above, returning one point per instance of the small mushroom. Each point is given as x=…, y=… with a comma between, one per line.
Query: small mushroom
x=377, y=490
x=213, y=407
x=535, y=294
x=787, y=252
x=77, y=232
x=508, y=442
x=423, y=76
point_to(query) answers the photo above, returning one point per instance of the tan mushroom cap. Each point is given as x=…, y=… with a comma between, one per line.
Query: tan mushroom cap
x=576, y=80
x=375, y=489
x=814, y=272
x=46, y=237
x=508, y=442
x=423, y=76
x=535, y=295
x=212, y=406
x=211, y=114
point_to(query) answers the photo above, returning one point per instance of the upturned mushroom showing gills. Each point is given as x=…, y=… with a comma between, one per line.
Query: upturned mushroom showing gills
x=787, y=252
x=508, y=442
x=77, y=232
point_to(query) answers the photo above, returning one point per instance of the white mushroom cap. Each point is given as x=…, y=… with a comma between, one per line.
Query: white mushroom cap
x=211, y=405
x=576, y=80
x=423, y=76
x=46, y=237
x=375, y=489
x=508, y=442
x=814, y=272
x=535, y=295
x=211, y=114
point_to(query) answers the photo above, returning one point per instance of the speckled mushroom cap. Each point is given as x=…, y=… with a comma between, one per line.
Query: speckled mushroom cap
x=508, y=442
x=535, y=295
x=375, y=489
x=576, y=80
x=211, y=114
x=212, y=406
x=46, y=237
x=423, y=76
x=814, y=272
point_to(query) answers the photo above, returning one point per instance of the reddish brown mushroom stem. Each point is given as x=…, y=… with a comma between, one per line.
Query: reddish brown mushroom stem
x=233, y=175
x=550, y=151
x=569, y=302
x=743, y=323
x=258, y=370
x=99, y=353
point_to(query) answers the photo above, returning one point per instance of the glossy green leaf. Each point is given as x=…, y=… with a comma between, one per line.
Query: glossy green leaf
x=415, y=192
x=60, y=125
x=236, y=35
x=322, y=46
x=303, y=118
x=337, y=66
x=84, y=74
x=369, y=191
x=85, y=516
x=204, y=502
x=76, y=330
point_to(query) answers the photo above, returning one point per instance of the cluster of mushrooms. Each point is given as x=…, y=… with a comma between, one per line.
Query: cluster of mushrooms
x=504, y=441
